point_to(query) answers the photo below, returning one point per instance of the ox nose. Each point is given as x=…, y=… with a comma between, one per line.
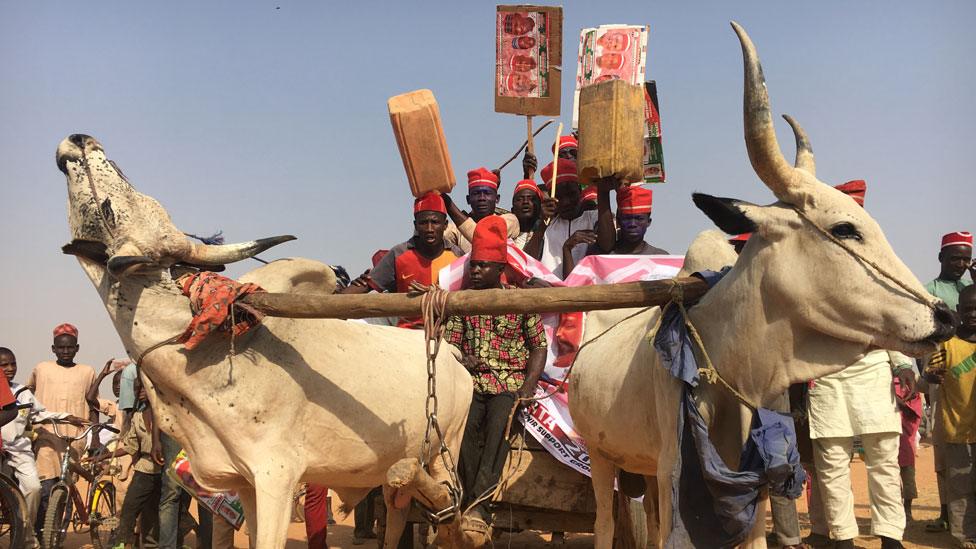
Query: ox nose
x=945, y=322
x=79, y=139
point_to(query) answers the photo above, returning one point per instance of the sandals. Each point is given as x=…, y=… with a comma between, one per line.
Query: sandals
x=939, y=525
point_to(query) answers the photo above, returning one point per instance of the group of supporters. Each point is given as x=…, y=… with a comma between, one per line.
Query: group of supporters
x=874, y=407
x=505, y=353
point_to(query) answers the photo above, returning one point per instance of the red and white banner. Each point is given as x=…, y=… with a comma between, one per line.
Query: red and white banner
x=548, y=420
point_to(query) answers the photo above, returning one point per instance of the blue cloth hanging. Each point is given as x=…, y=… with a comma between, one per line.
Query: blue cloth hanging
x=724, y=512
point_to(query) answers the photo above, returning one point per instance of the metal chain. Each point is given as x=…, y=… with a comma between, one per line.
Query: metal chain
x=433, y=307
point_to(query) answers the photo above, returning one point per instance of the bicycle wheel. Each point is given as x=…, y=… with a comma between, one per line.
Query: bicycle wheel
x=13, y=515
x=102, y=518
x=55, y=520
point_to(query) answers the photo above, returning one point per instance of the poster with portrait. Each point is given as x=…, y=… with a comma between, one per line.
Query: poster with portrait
x=610, y=52
x=653, y=151
x=528, y=58
x=225, y=504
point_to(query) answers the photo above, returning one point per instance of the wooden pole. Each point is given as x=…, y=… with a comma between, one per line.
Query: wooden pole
x=480, y=302
x=555, y=161
x=529, y=141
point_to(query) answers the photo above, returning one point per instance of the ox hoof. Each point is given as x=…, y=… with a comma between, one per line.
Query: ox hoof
x=475, y=532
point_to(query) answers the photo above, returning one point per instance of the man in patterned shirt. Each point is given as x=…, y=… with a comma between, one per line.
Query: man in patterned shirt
x=505, y=355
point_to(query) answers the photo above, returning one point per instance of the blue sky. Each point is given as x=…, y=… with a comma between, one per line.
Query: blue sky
x=258, y=121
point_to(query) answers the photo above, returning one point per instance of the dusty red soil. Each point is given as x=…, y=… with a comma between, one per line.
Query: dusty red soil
x=926, y=509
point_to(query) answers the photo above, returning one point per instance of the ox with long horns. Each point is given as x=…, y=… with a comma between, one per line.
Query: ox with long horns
x=326, y=401
x=816, y=287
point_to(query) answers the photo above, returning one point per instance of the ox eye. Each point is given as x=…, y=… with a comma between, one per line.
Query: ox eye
x=846, y=231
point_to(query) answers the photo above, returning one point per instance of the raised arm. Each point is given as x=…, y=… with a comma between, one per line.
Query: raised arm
x=92, y=395
x=605, y=230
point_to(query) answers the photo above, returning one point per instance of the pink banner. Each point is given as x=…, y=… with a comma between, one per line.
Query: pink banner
x=225, y=504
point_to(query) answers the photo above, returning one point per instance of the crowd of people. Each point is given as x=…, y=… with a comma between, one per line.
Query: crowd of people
x=875, y=407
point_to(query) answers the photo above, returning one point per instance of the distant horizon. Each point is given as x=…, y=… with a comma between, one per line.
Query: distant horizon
x=275, y=122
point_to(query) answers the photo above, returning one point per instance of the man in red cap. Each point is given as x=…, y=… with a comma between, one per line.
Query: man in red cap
x=570, y=229
x=63, y=387
x=633, y=219
x=416, y=262
x=505, y=355
x=482, y=197
x=526, y=207
x=955, y=258
x=567, y=148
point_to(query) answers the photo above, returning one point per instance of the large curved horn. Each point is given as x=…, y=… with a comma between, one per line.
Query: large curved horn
x=764, y=152
x=204, y=254
x=804, y=152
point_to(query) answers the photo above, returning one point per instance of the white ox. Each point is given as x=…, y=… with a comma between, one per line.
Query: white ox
x=795, y=307
x=325, y=401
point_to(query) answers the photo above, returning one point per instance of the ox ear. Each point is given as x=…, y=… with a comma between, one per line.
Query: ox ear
x=728, y=214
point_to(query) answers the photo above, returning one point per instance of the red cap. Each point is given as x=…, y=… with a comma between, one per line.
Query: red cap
x=960, y=238
x=69, y=329
x=566, y=172
x=482, y=177
x=490, y=242
x=430, y=202
x=527, y=185
x=634, y=200
x=589, y=194
x=378, y=256
x=567, y=142
x=740, y=237
x=854, y=189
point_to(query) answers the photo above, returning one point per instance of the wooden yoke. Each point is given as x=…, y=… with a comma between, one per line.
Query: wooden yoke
x=481, y=302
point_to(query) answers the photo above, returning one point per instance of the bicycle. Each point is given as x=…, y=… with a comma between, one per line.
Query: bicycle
x=97, y=513
x=14, y=525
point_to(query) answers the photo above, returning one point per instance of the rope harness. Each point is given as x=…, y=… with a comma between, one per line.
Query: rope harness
x=922, y=298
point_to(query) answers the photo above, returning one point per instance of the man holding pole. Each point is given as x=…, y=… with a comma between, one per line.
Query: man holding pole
x=570, y=229
x=482, y=197
x=505, y=355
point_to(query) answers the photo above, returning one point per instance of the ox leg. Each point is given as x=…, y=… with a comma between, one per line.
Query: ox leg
x=757, y=536
x=396, y=516
x=273, y=491
x=603, y=473
x=249, y=503
x=650, y=508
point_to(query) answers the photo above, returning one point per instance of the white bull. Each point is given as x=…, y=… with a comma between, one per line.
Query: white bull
x=325, y=401
x=796, y=306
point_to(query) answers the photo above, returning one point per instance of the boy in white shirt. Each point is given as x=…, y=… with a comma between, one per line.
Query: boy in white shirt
x=18, y=436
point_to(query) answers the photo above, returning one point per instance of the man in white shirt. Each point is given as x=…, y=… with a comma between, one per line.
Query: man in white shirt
x=571, y=229
x=860, y=401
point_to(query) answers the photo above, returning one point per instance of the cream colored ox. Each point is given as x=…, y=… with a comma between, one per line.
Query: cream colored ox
x=325, y=401
x=796, y=306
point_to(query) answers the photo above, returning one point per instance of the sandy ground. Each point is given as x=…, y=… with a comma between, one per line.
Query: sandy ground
x=926, y=508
